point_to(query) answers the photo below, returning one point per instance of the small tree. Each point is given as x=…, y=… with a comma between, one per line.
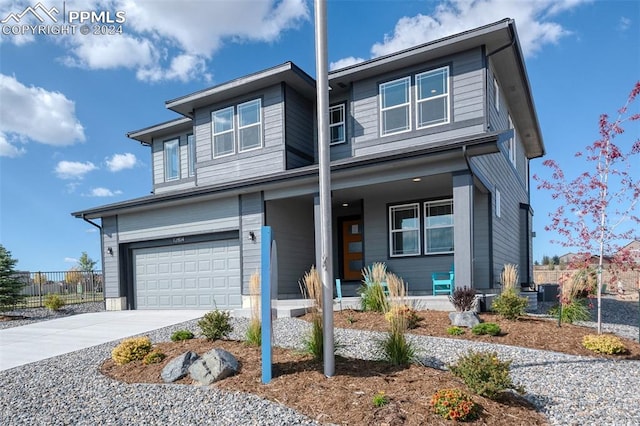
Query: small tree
x=85, y=263
x=10, y=285
x=596, y=203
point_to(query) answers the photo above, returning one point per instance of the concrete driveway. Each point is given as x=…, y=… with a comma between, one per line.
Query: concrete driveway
x=46, y=339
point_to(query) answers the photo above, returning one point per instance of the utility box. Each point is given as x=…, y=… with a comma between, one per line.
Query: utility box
x=548, y=292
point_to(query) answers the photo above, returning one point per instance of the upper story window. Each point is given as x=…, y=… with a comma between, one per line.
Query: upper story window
x=336, y=124
x=512, y=142
x=432, y=102
x=223, y=132
x=191, y=152
x=498, y=203
x=438, y=226
x=171, y=160
x=250, y=125
x=404, y=230
x=395, y=108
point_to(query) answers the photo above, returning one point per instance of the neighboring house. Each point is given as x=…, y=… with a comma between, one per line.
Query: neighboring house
x=430, y=151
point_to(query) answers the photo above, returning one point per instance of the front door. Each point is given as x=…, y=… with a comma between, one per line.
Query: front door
x=352, y=260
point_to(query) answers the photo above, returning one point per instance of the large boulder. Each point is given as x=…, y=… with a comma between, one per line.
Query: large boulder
x=178, y=367
x=464, y=319
x=215, y=365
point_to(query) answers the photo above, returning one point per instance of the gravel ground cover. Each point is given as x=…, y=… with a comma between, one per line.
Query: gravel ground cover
x=569, y=390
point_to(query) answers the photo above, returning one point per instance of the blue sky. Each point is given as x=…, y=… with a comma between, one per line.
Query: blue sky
x=66, y=101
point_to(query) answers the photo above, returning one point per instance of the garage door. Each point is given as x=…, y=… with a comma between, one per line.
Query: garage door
x=202, y=275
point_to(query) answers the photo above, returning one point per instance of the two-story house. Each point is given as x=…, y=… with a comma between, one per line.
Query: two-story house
x=430, y=151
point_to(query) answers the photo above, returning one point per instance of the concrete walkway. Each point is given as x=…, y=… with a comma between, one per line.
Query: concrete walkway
x=46, y=339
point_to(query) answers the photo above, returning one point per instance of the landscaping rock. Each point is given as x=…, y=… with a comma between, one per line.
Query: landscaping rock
x=215, y=365
x=178, y=367
x=464, y=319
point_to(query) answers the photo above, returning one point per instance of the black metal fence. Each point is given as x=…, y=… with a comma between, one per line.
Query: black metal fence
x=72, y=286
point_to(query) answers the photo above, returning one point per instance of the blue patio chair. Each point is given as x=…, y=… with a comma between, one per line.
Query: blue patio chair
x=339, y=292
x=443, y=282
x=385, y=286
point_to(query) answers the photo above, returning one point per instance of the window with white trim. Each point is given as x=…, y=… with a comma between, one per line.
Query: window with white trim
x=171, y=160
x=496, y=94
x=395, y=111
x=404, y=230
x=512, y=142
x=191, y=152
x=438, y=226
x=432, y=97
x=336, y=124
x=250, y=125
x=223, y=132
x=498, y=202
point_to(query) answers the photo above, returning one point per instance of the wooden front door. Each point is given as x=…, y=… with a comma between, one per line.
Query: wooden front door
x=352, y=244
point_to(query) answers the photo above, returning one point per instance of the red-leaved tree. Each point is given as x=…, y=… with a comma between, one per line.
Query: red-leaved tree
x=599, y=208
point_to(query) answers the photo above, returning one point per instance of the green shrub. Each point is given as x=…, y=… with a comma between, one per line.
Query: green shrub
x=454, y=404
x=314, y=343
x=463, y=299
x=153, y=357
x=396, y=349
x=380, y=399
x=53, y=302
x=404, y=313
x=180, y=335
x=509, y=305
x=490, y=328
x=131, y=349
x=372, y=298
x=215, y=325
x=484, y=373
x=604, y=344
x=575, y=310
x=254, y=333
x=454, y=330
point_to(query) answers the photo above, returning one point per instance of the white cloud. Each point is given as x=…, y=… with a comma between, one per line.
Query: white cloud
x=91, y=230
x=624, y=23
x=7, y=149
x=345, y=62
x=121, y=162
x=74, y=169
x=36, y=114
x=70, y=260
x=103, y=192
x=174, y=40
x=533, y=21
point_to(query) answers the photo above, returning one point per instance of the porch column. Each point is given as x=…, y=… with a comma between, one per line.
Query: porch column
x=463, y=228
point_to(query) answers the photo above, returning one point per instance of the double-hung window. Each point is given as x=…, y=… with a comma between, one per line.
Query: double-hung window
x=404, y=230
x=250, y=125
x=191, y=149
x=438, y=226
x=336, y=124
x=395, y=108
x=223, y=132
x=171, y=160
x=432, y=100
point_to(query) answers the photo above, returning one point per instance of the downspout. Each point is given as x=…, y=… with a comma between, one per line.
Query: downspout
x=93, y=223
x=101, y=254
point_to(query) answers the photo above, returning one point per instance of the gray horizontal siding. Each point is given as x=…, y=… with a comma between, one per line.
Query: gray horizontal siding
x=196, y=218
x=467, y=106
x=292, y=225
x=242, y=165
x=251, y=220
x=299, y=122
x=110, y=262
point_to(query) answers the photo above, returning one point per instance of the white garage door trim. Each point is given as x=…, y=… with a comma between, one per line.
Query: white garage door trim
x=204, y=275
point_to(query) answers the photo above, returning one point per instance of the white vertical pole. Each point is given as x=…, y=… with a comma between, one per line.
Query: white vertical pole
x=326, y=269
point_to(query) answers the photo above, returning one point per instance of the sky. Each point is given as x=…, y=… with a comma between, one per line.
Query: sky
x=67, y=99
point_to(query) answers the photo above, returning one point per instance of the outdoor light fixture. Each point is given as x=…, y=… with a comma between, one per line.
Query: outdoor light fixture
x=345, y=204
x=417, y=179
x=252, y=236
x=110, y=251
